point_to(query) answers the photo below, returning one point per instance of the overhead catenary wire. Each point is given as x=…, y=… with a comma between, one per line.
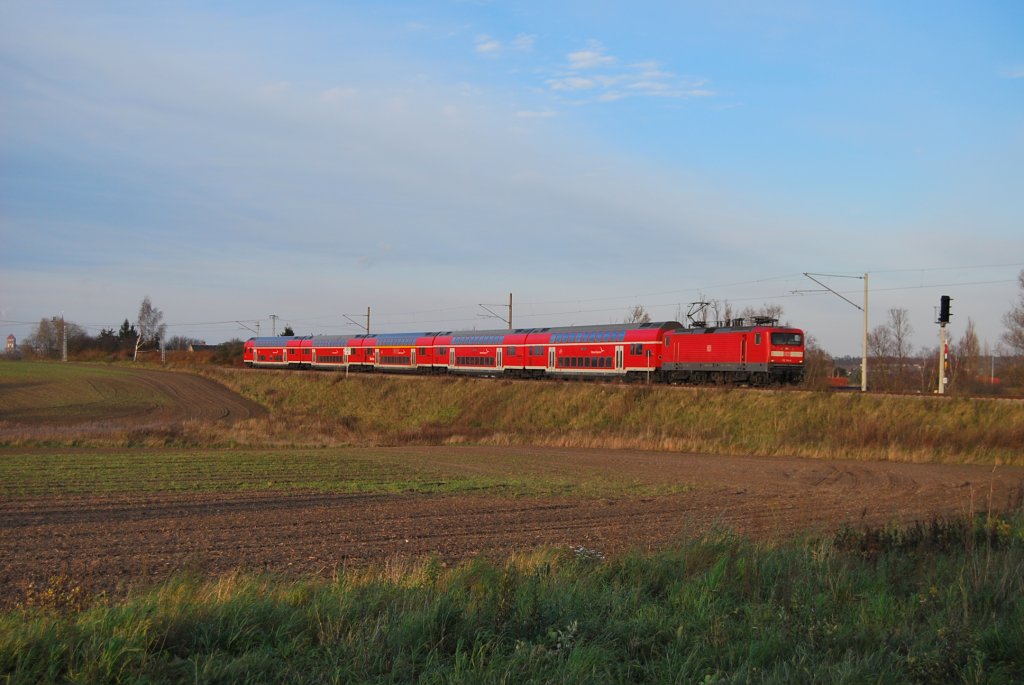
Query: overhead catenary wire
x=528, y=311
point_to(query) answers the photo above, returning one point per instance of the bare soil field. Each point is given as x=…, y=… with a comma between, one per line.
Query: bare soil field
x=79, y=399
x=114, y=543
x=609, y=501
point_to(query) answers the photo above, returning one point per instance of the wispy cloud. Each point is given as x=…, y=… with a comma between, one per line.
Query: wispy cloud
x=1016, y=71
x=523, y=42
x=487, y=46
x=605, y=78
x=572, y=83
x=593, y=56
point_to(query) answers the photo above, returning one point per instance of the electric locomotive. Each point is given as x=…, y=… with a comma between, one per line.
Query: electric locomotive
x=756, y=352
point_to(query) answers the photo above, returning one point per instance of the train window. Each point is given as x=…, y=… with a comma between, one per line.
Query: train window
x=786, y=339
x=757, y=338
x=510, y=351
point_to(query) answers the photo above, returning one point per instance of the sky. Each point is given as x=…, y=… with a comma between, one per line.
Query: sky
x=237, y=160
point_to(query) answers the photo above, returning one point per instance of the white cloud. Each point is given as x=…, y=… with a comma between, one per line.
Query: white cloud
x=572, y=83
x=1014, y=71
x=594, y=70
x=487, y=46
x=593, y=56
x=523, y=42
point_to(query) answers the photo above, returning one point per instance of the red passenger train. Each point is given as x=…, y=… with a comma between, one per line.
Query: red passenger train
x=756, y=352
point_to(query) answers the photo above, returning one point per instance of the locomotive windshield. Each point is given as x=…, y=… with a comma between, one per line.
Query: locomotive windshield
x=787, y=339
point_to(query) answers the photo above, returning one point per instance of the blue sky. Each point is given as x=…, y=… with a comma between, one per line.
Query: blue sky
x=236, y=160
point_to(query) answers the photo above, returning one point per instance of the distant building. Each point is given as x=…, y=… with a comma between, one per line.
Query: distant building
x=12, y=343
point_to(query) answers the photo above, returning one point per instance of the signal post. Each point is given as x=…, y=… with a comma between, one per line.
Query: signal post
x=943, y=343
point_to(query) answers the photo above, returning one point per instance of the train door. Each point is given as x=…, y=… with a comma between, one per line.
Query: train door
x=376, y=356
x=451, y=357
x=618, y=358
x=500, y=361
x=551, y=359
x=412, y=357
x=743, y=352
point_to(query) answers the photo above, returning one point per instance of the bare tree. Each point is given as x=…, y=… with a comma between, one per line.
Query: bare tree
x=966, y=362
x=637, y=314
x=1014, y=321
x=48, y=337
x=880, y=342
x=767, y=309
x=889, y=344
x=150, y=326
x=818, y=364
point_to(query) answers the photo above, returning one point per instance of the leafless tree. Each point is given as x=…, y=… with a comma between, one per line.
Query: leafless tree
x=889, y=344
x=767, y=309
x=637, y=314
x=818, y=364
x=48, y=337
x=1014, y=321
x=966, y=359
x=150, y=326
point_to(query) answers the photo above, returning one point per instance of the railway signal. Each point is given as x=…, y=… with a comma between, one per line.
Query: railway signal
x=943, y=344
x=944, y=309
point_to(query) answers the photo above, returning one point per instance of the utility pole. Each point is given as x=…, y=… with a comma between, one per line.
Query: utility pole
x=273, y=319
x=864, y=344
x=246, y=326
x=864, y=356
x=491, y=314
x=359, y=324
x=64, y=339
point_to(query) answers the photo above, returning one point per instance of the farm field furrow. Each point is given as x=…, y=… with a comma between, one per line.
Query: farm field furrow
x=514, y=499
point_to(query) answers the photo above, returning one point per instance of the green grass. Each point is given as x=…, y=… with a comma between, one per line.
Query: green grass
x=46, y=392
x=349, y=470
x=325, y=409
x=944, y=604
x=373, y=409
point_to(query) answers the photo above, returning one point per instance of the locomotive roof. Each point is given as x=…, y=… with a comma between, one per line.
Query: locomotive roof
x=737, y=329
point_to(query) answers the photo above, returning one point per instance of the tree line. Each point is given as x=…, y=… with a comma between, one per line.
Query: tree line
x=893, y=363
x=146, y=332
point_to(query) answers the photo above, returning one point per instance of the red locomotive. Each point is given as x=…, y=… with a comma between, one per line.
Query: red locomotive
x=755, y=352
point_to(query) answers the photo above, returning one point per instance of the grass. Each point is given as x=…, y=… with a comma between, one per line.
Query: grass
x=352, y=470
x=942, y=604
x=361, y=409
x=44, y=392
x=65, y=405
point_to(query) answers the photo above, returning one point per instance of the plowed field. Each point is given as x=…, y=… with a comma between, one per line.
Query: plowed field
x=130, y=520
x=115, y=542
